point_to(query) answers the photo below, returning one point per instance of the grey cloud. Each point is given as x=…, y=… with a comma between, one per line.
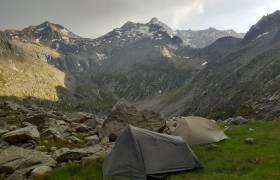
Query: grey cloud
x=92, y=18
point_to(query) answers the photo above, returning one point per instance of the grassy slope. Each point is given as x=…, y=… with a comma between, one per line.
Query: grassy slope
x=29, y=75
x=229, y=160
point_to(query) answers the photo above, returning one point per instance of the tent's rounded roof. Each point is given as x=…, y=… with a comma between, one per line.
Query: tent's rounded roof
x=196, y=130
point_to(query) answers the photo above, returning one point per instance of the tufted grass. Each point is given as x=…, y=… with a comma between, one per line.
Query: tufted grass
x=233, y=159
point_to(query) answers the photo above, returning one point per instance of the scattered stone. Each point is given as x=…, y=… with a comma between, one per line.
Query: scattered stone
x=3, y=145
x=93, y=132
x=105, y=140
x=80, y=127
x=40, y=119
x=12, y=127
x=80, y=117
x=99, y=150
x=39, y=173
x=250, y=140
x=22, y=135
x=15, y=158
x=251, y=129
x=66, y=154
x=3, y=131
x=63, y=164
x=51, y=133
x=212, y=147
x=75, y=139
x=92, y=140
x=122, y=115
x=237, y=120
x=21, y=174
x=28, y=145
x=61, y=123
x=53, y=148
x=40, y=148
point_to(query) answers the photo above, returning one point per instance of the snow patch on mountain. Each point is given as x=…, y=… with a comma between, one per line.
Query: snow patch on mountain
x=166, y=53
x=261, y=35
x=204, y=63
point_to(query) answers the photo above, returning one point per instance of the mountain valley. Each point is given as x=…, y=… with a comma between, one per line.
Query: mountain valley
x=148, y=66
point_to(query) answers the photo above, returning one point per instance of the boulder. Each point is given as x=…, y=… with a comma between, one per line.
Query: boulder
x=237, y=120
x=15, y=158
x=38, y=119
x=40, y=173
x=22, y=135
x=80, y=127
x=66, y=154
x=123, y=115
x=53, y=148
x=78, y=117
x=21, y=174
x=92, y=140
x=98, y=151
x=9, y=105
x=3, y=145
x=3, y=131
x=250, y=140
x=53, y=132
x=75, y=139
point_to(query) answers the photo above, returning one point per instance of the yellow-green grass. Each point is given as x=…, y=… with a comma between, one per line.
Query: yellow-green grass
x=233, y=159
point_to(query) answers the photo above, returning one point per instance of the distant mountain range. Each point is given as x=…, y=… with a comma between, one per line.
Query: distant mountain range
x=210, y=72
x=203, y=38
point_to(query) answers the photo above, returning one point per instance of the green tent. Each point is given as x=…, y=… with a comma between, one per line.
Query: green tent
x=140, y=154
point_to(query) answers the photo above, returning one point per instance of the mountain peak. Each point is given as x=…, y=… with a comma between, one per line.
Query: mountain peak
x=52, y=26
x=212, y=28
x=154, y=21
x=46, y=23
x=269, y=24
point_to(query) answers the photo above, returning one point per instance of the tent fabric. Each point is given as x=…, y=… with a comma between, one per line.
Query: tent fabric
x=140, y=154
x=196, y=130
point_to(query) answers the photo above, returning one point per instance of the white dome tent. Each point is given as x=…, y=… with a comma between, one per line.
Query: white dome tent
x=196, y=130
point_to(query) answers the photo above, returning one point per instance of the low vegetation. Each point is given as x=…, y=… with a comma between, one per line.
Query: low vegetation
x=230, y=160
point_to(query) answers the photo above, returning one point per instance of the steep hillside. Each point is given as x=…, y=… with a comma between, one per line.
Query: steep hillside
x=128, y=64
x=149, y=65
x=243, y=80
x=25, y=73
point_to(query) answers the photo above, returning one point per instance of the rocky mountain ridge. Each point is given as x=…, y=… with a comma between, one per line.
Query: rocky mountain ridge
x=203, y=38
x=171, y=78
x=242, y=79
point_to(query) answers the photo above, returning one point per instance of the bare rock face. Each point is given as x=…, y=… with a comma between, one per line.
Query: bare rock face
x=123, y=115
x=66, y=154
x=15, y=160
x=22, y=135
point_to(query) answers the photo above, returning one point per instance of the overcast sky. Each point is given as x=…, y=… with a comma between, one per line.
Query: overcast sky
x=92, y=18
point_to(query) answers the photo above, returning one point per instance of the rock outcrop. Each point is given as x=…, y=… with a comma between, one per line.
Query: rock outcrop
x=123, y=115
x=15, y=160
x=30, y=152
x=22, y=135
